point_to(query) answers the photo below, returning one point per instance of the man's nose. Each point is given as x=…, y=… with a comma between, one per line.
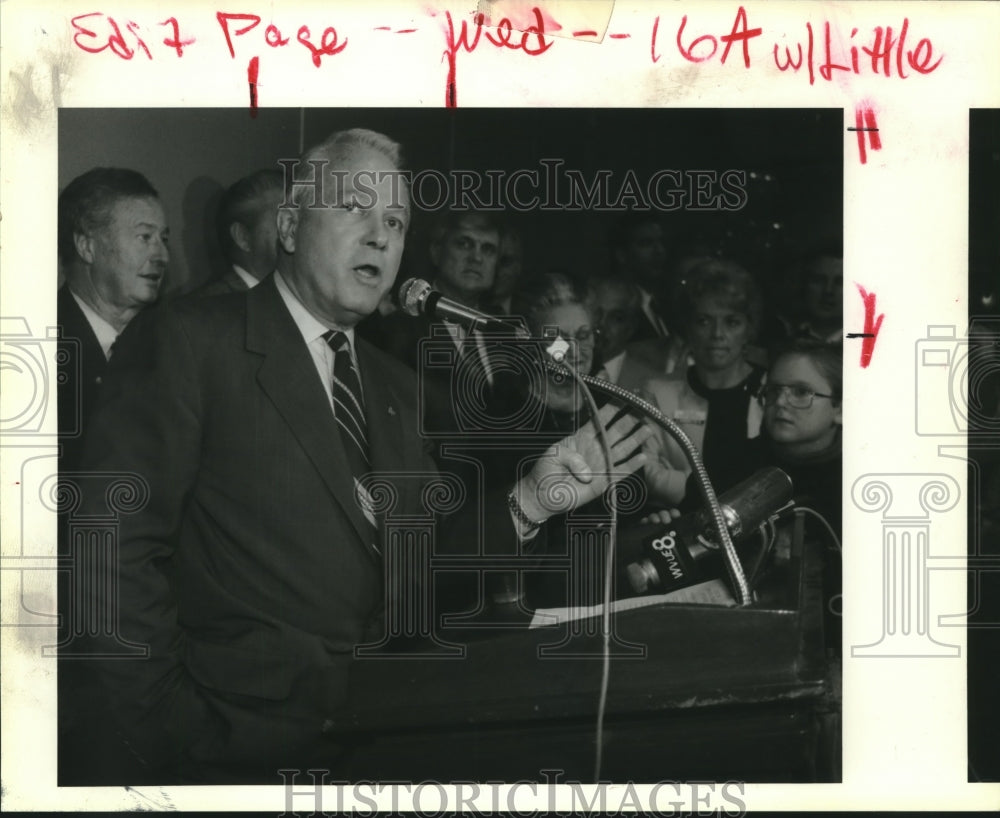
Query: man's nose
x=377, y=234
x=161, y=252
x=718, y=329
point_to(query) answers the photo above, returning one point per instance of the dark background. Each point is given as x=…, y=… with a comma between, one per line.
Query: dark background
x=794, y=196
x=984, y=445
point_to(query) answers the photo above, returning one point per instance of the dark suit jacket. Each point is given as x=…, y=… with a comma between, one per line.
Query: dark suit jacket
x=81, y=370
x=229, y=282
x=249, y=573
x=456, y=399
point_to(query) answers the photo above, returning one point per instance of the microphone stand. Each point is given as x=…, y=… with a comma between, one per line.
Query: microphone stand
x=645, y=408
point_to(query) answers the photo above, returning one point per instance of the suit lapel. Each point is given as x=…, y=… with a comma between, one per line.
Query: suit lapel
x=289, y=378
x=75, y=325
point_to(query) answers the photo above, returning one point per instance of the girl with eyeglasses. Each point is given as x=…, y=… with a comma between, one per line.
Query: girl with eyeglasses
x=803, y=417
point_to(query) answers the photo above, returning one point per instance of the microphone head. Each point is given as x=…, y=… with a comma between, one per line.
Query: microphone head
x=412, y=294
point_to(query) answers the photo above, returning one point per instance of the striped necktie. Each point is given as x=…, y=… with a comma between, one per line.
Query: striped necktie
x=348, y=405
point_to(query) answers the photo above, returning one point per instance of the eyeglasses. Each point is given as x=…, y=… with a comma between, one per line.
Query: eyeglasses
x=584, y=335
x=798, y=397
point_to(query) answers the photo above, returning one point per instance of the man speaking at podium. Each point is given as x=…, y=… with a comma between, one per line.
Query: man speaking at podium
x=255, y=567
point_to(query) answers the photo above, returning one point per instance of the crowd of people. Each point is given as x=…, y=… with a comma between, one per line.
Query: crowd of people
x=255, y=409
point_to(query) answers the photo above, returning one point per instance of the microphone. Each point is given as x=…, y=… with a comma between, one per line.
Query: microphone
x=417, y=297
x=681, y=554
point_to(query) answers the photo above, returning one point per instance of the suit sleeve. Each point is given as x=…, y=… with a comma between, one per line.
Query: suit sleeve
x=148, y=427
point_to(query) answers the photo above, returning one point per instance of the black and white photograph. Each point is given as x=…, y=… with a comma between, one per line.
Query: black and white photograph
x=520, y=407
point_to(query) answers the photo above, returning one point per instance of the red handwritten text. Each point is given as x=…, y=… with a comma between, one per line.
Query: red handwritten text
x=502, y=39
x=886, y=55
x=329, y=44
x=739, y=32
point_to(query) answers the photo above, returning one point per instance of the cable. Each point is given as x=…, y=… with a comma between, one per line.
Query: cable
x=767, y=543
x=609, y=563
x=829, y=529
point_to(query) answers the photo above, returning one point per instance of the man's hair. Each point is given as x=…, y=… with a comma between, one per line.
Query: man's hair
x=85, y=203
x=450, y=221
x=241, y=202
x=827, y=358
x=547, y=291
x=335, y=148
x=720, y=279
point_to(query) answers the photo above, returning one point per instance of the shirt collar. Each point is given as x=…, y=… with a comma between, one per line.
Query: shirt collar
x=646, y=296
x=310, y=326
x=248, y=279
x=106, y=334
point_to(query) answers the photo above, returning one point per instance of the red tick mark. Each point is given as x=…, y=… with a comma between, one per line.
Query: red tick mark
x=252, y=71
x=865, y=123
x=872, y=326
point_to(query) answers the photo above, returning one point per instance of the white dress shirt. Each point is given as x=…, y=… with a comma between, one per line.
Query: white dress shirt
x=312, y=333
x=106, y=334
x=247, y=279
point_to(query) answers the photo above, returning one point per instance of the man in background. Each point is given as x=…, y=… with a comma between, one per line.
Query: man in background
x=510, y=265
x=113, y=249
x=639, y=254
x=463, y=251
x=619, y=304
x=246, y=225
x=112, y=235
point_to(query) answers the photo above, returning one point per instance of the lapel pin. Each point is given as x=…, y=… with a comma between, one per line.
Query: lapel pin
x=392, y=412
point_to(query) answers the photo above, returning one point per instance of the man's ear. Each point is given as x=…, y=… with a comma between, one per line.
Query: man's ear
x=240, y=236
x=288, y=224
x=84, y=245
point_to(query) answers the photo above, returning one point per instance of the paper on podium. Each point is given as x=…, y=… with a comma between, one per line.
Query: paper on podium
x=712, y=592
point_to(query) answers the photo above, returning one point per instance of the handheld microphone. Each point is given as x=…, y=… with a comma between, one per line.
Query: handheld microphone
x=680, y=554
x=417, y=297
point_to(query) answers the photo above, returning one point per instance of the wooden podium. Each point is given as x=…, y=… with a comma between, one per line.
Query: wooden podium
x=695, y=692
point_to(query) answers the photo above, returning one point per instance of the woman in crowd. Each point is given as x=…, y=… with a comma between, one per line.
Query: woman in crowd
x=718, y=305
x=557, y=310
